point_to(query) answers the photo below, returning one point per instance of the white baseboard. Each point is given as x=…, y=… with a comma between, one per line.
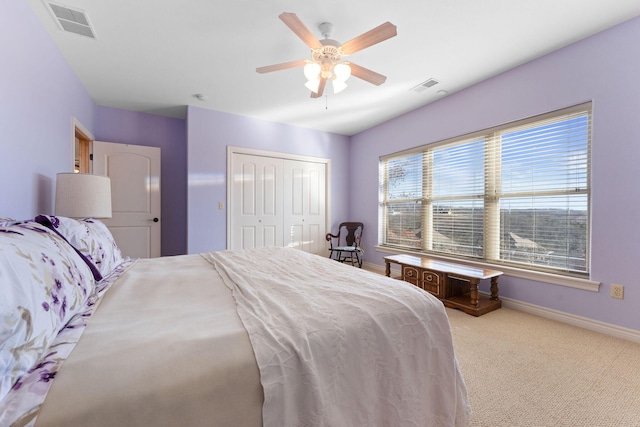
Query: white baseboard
x=560, y=316
x=571, y=319
x=376, y=268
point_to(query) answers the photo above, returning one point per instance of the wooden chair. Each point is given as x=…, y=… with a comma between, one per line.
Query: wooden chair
x=347, y=243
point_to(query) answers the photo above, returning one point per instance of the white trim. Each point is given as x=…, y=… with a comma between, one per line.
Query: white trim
x=539, y=276
x=263, y=153
x=571, y=319
x=376, y=268
x=75, y=124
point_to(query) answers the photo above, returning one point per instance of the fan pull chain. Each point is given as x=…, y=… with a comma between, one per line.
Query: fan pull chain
x=326, y=102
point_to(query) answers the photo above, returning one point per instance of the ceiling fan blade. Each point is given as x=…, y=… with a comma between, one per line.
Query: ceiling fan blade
x=366, y=74
x=371, y=37
x=318, y=94
x=294, y=23
x=282, y=66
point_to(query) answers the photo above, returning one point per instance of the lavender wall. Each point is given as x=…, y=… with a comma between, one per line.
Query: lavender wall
x=128, y=127
x=39, y=96
x=603, y=68
x=210, y=132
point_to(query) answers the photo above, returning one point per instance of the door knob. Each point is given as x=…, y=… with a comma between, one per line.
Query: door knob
x=155, y=220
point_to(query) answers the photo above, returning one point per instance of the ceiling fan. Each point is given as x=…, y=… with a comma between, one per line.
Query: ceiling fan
x=326, y=55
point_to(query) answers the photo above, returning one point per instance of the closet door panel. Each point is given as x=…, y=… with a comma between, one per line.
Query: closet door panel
x=248, y=237
x=256, y=202
x=248, y=189
x=305, y=205
x=271, y=197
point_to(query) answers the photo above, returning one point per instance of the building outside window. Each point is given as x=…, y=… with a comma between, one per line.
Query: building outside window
x=516, y=194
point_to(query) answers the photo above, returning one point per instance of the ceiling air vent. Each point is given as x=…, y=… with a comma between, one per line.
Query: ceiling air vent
x=425, y=85
x=71, y=20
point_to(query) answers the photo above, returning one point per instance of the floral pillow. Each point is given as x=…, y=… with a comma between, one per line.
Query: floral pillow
x=7, y=221
x=43, y=283
x=91, y=238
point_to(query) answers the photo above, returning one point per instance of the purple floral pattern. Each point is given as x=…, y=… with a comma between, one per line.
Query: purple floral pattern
x=92, y=239
x=21, y=405
x=48, y=293
x=43, y=284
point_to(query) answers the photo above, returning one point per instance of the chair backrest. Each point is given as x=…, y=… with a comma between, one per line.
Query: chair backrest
x=352, y=233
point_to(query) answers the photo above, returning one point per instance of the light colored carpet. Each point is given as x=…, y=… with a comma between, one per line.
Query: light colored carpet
x=524, y=370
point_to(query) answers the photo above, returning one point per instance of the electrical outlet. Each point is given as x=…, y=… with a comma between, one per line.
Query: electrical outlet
x=617, y=291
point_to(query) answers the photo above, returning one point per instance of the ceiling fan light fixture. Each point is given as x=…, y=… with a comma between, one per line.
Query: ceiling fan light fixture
x=312, y=70
x=342, y=71
x=338, y=85
x=326, y=55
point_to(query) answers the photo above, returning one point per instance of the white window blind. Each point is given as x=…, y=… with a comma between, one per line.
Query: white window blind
x=514, y=194
x=457, y=199
x=403, y=186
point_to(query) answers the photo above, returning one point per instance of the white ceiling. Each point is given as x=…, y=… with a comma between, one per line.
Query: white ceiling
x=154, y=55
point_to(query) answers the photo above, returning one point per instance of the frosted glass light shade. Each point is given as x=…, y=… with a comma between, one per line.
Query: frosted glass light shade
x=342, y=71
x=80, y=195
x=311, y=71
x=313, y=85
x=339, y=86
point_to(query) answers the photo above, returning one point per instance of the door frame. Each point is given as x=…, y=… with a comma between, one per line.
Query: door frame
x=231, y=150
x=82, y=153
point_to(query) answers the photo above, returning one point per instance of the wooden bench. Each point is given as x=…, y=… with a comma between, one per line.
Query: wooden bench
x=456, y=285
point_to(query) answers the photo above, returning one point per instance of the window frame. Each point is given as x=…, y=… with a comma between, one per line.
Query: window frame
x=491, y=256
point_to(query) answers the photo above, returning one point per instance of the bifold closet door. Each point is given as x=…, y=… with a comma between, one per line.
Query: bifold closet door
x=275, y=201
x=256, y=202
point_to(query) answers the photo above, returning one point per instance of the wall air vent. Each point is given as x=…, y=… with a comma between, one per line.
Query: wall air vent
x=425, y=85
x=71, y=20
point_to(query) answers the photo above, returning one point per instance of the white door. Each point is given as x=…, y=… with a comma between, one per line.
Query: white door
x=304, y=205
x=256, y=202
x=135, y=192
x=276, y=200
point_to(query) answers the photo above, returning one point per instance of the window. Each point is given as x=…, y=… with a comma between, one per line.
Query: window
x=516, y=194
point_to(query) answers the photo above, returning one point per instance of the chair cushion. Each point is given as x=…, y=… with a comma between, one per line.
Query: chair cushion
x=348, y=249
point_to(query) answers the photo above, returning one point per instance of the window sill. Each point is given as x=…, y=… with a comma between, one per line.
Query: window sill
x=555, y=279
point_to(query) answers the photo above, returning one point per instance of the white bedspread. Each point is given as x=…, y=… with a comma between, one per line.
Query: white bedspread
x=339, y=346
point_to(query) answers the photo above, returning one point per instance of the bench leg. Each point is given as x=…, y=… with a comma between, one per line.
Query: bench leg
x=473, y=291
x=494, y=288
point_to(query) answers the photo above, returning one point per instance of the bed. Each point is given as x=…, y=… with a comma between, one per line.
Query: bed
x=262, y=337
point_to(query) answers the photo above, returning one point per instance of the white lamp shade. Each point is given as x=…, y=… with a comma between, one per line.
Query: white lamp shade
x=311, y=71
x=339, y=86
x=80, y=195
x=313, y=85
x=342, y=71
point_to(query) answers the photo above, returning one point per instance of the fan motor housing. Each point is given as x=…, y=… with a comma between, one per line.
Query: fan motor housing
x=329, y=52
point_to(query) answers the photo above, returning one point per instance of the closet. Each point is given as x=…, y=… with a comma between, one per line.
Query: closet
x=276, y=199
